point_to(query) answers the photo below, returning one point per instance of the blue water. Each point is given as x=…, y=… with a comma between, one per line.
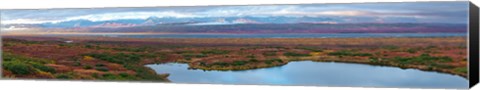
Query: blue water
x=290, y=35
x=316, y=74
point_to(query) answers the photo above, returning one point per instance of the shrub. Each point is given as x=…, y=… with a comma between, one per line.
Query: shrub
x=422, y=59
x=203, y=64
x=461, y=70
x=120, y=58
x=190, y=55
x=88, y=46
x=88, y=58
x=109, y=76
x=215, y=51
x=104, y=69
x=373, y=59
x=239, y=63
x=17, y=67
x=99, y=65
x=295, y=54
x=77, y=63
x=310, y=49
x=64, y=76
x=348, y=53
x=44, y=68
x=87, y=67
x=390, y=47
x=410, y=50
x=123, y=75
x=253, y=60
x=130, y=49
x=270, y=53
x=223, y=64
x=21, y=65
x=251, y=56
x=270, y=61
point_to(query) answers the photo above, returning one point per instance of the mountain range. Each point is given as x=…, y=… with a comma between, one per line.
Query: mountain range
x=279, y=24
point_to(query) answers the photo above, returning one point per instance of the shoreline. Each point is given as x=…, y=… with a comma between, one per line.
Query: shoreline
x=417, y=67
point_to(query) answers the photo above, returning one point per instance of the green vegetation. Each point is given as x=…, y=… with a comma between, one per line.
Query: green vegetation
x=270, y=61
x=292, y=54
x=121, y=76
x=253, y=60
x=374, y=60
x=411, y=50
x=390, y=47
x=422, y=59
x=239, y=63
x=66, y=45
x=215, y=51
x=184, y=51
x=461, y=70
x=271, y=53
x=131, y=49
x=21, y=65
x=120, y=58
x=103, y=69
x=251, y=56
x=64, y=76
x=310, y=49
x=129, y=61
x=17, y=67
x=43, y=67
x=87, y=67
x=348, y=53
x=222, y=64
x=189, y=56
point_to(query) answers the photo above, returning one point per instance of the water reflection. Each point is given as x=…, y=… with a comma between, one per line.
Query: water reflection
x=318, y=74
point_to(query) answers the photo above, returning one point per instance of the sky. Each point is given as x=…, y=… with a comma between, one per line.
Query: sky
x=416, y=12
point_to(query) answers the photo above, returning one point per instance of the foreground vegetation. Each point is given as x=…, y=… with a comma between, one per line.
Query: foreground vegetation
x=113, y=59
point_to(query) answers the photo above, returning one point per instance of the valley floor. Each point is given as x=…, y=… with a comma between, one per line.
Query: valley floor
x=104, y=58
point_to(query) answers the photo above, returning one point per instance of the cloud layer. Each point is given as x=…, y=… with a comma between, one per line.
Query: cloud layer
x=421, y=12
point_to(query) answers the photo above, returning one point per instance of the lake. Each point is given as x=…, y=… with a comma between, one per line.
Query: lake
x=316, y=74
x=278, y=35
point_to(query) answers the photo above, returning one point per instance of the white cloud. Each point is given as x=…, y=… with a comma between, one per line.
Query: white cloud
x=27, y=21
x=232, y=11
x=130, y=15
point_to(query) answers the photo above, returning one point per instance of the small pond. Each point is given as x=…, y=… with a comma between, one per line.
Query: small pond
x=316, y=74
